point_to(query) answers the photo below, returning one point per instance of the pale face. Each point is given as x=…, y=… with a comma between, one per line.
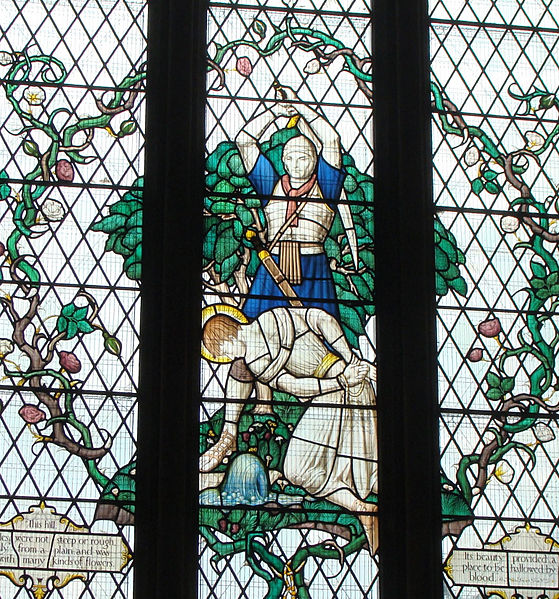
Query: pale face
x=299, y=165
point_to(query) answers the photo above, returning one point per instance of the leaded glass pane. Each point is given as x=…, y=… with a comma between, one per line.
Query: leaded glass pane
x=71, y=121
x=494, y=80
x=288, y=418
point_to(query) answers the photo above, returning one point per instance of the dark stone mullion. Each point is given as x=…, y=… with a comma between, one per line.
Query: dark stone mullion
x=410, y=521
x=166, y=559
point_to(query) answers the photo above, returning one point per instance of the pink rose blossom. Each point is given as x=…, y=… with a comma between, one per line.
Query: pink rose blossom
x=244, y=66
x=31, y=414
x=69, y=362
x=64, y=170
x=490, y=327
x=475, y=354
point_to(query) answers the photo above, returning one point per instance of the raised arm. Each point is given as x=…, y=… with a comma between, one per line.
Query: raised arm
x=247, y=140
x=316, y=127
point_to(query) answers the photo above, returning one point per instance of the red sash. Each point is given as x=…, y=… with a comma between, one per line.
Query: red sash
x=290, y=192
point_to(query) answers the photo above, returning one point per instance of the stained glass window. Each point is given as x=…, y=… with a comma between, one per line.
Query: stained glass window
x=288, y=468
x=71, y=164
x=494, y=80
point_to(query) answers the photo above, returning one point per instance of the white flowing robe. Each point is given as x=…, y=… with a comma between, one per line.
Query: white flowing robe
x=334, y=445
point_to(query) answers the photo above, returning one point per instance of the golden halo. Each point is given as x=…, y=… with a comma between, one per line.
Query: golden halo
x=213, y=310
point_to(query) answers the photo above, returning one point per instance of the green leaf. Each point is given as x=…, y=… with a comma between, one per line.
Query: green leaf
x=112, y=345
x=31, y=148
x=350, y=184
x=5, y=189
x=441, y=288
x=492, y=187
x=459, y=285
x=72, y=329
x=494, y=393
x=449, y=250
x=229, y=266
x=128, y=127
x=547, y=101
x=553, y=278
x=80, y=313
x=441, y=260
x=109, y=224
x=134, y=271
x=68, y=309
x=133, y=238
x=493, y=380
x=537, y=283
x=259, y=27
x=477, y=186
x=61, y=324
x=543, y=293
x=84, y=326
x=507, y=385
x=538, y=269
x=451, y=272
x=490, y=175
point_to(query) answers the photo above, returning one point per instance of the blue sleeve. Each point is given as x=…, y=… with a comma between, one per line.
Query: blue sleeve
x=330, y=180
x=263, y=176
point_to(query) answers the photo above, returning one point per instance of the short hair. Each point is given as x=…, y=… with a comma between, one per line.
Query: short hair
x=219, y=328
x=300, y=143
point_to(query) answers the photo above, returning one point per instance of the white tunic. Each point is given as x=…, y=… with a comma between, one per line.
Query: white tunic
x=314, y=220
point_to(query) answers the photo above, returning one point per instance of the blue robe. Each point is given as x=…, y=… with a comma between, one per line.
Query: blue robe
x=317, y=286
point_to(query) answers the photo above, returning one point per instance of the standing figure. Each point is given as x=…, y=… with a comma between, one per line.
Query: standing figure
x=302, y=351
x=299, y=207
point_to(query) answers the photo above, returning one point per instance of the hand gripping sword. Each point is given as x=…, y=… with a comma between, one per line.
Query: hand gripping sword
x=274, y=270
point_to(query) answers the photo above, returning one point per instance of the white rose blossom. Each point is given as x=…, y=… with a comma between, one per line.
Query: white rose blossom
x=543, y=432
x=504, y=472
x=5, y=59
x=510, y=224
x=312, y=67
x=534, y=141
x=34, y=95
x=52, y=210
x=471, y=156
x=6, y=347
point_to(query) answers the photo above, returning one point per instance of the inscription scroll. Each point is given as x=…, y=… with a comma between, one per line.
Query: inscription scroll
x=43, y=550
x=525, y=560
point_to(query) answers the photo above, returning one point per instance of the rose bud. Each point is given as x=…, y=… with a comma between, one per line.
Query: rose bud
x=244, y=66
x=31, y=414
x=235, y=527
x=268, y=436
x=475, y=354
x=64, y=170
x=222, y=525
x=246, y=437
x=69, y=362
x=490, y=327
x=2, y=249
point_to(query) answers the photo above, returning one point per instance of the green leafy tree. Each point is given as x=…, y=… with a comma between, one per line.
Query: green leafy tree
x=123, y=225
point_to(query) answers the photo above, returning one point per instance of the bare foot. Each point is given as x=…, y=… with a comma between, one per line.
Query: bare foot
x=370, y=526
x=213, y=457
